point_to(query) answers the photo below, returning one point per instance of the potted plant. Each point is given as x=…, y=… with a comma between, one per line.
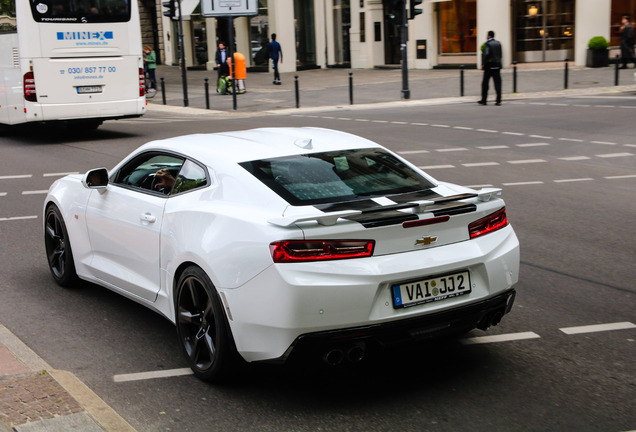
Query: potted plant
x=597, y=52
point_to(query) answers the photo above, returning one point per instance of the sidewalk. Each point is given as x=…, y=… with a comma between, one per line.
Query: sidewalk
x=34, y=397
x=330, y=87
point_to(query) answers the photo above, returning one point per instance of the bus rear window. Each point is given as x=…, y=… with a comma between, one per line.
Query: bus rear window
x=80, y=11
x=331, y=177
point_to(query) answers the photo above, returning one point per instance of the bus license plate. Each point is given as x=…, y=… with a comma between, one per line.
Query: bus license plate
x=431, y=290
x=89, y=89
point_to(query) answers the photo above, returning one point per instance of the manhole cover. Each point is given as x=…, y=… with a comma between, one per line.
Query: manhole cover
x=586, y=82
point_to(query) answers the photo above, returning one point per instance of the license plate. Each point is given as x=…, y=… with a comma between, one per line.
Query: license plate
x=89, y=89
x=431, y=290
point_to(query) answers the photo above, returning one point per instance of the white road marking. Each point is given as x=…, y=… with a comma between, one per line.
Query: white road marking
x=533, y=145
x=630, y=145
x=462, y=128
x=59, y=174
x=526, y=161
x=573, y=180
x=499, y=338
x=440, y=125
x=399, y=122
x=538, y=103
x=493, y=147
x=420, y=124
x=523, y=183
x=454, y=149
x=480, y=164
x=559, y=104
x=406, y=152
x=620, y=177
x=3, y=194
x=362, y=120
x=19, y=176
x=614, y=155
x=603, y=142
x=430, y=167
x=598, y=328
x=571, y=139
x=17, y=218
x=152, y=375
x=487, y=130
x=380, y=121
x=574, y=158
x=343, y=118
x=513, y=133
x=541, y=136
x=35, y=192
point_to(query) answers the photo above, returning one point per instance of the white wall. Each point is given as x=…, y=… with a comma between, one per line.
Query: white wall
x=424, y=26
x=592, y=19
x=495, y=15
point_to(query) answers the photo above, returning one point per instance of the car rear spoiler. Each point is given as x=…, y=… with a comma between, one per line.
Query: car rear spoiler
x=330, y=218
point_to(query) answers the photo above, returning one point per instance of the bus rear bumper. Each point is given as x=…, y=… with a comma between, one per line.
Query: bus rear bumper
x=38, y=112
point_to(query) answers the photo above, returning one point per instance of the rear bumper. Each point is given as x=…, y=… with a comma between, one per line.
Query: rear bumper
x=482, y=314
x=38, y=112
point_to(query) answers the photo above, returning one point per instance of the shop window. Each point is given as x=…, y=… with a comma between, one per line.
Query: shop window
x=458, y=26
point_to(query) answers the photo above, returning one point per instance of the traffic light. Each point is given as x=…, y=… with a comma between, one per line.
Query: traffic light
x=413, y=11
x=395, y=9
x=171, y=9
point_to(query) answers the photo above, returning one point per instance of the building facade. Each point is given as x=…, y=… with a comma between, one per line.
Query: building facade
x=366, y=33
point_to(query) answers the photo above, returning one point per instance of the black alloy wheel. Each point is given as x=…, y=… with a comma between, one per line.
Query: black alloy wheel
x=58, y=248
x=202, y=328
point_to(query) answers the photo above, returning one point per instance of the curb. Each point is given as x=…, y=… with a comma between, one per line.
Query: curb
x=97, y=415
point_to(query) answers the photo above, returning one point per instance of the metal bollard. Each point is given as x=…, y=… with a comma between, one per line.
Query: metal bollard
x=163, y=91
x=297, y=91
x=461, y=80
x=207, y=94
x=350, y=88
x=514, y=77
x=616, y=71
x=565, y=77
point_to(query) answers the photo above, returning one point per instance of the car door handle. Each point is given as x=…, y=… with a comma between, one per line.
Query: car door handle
x=147, y=217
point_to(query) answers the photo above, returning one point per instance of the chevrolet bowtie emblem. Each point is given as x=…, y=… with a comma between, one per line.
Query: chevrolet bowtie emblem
x=425, y=240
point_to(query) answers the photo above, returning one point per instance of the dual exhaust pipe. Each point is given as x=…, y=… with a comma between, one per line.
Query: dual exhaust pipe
x=352, y=353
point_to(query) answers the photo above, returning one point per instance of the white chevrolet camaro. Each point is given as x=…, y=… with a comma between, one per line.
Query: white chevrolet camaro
x=268, y=243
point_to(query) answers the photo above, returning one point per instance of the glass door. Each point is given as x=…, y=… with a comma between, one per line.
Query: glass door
x=544, y=30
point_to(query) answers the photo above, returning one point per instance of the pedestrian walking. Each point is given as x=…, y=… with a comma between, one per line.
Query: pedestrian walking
x=222, y=68
x=275, y=53
x=627, y=42
x=150, y=63
x=491, y=64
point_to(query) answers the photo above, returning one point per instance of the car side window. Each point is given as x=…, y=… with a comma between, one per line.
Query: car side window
x=152, y=171
x=190, y=177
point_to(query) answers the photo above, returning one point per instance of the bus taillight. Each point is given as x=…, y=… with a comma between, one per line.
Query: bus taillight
x=142, y=82
x=29, y=88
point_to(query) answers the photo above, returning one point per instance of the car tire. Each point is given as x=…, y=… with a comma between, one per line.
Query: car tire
x=58, y=248
x=202, y=328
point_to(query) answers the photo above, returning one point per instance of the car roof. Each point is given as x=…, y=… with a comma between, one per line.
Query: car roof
x=262, y=143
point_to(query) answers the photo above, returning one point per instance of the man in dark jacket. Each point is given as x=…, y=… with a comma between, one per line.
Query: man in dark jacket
x=276, y=54
x=627, y=42
x=491, y=63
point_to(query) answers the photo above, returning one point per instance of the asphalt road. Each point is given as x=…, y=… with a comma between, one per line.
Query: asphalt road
x=568, y=170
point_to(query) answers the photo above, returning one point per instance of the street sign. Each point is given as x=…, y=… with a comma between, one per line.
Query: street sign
x=215, y=8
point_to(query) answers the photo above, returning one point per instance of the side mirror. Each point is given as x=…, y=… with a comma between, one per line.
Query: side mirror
x=96, y=179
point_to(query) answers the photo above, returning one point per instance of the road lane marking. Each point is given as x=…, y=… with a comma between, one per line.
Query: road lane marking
x=380, y=121
x=598, y=328
x=487, y=130
x=571, y=139
x=399, y=122
x=499, y=338
x=440, y=125
x=362, y=120
x=462, y=128
x=454, y=149
x=526, y=161
x=541, y=136
x=573, y=180
x=513, y=133
x=493, y=147
x=603, y=142
x=420, y=124
x=14, y=218
x=35, y=192
x=575, y=158
x=523, y=183
x=406, y=152
x=480, y=164
x=59, y=174
x=19, y=176
x=152, y=375
x=629, y=145
x=533, y=145
x=620, y=177
x=430, y=167
x=3, y=194
x=614, y=155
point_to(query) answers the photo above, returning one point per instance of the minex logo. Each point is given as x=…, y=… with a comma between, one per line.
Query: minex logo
x=84, y=35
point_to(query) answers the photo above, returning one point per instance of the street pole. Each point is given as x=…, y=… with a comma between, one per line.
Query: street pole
x=406, y=93
x=184, y=80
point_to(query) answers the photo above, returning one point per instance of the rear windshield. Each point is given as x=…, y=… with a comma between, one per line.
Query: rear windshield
x=337, y=176
x=80, y=11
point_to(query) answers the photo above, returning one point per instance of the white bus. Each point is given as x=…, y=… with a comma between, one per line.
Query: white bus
x=76, y=61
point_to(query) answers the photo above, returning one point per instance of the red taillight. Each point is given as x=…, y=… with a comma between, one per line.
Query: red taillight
x=142, y=82
x=319, y=250
x=488, y=224
x=29, y=87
